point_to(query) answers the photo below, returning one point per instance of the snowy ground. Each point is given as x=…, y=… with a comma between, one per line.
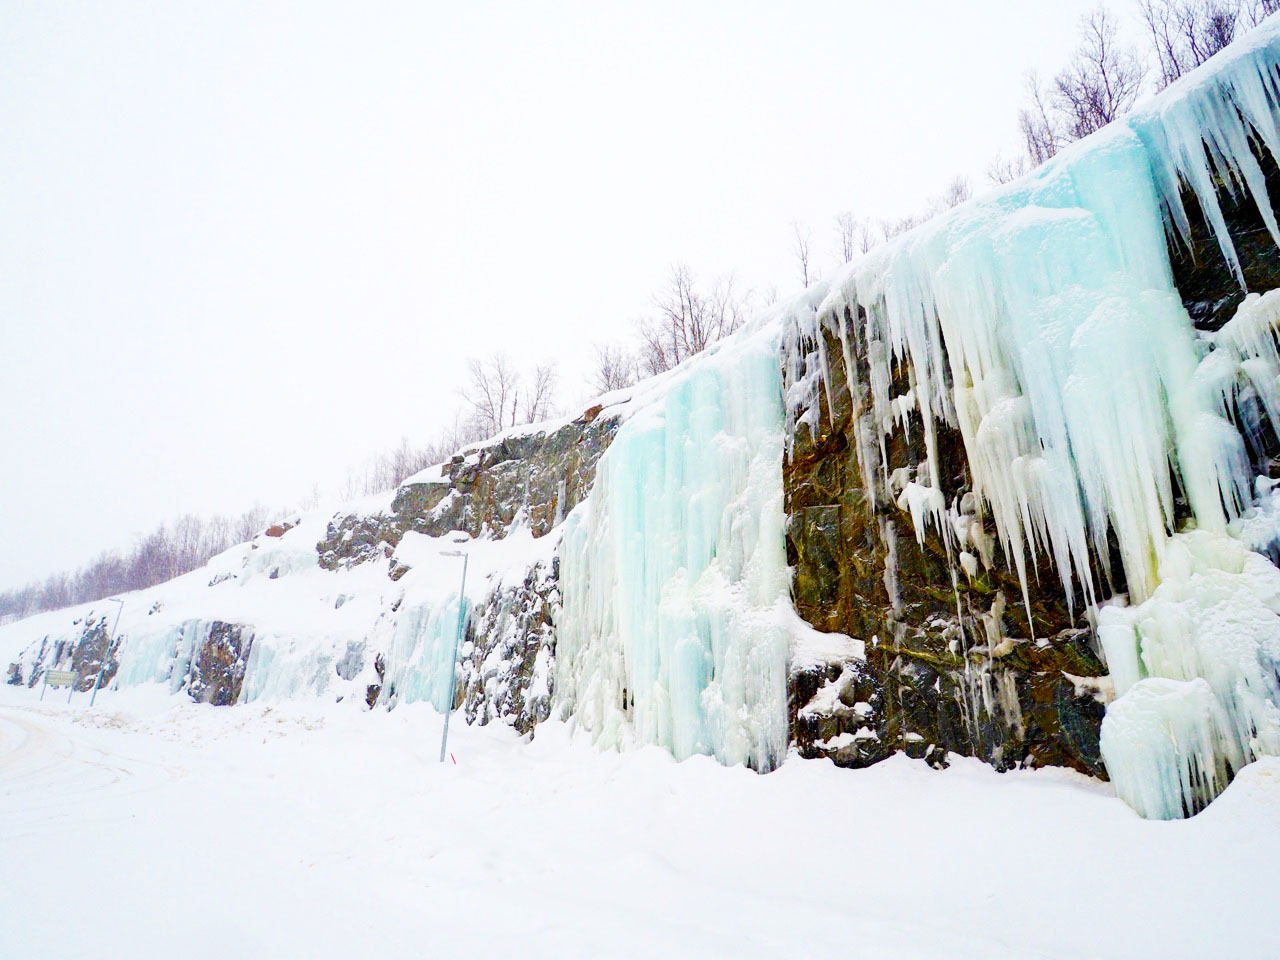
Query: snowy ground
x=153, y=827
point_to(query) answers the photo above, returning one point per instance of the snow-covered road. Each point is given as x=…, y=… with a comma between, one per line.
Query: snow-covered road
x=154, y=828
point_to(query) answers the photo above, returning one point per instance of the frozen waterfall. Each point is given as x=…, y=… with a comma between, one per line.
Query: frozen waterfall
x=1042, y=323
x=676, y=614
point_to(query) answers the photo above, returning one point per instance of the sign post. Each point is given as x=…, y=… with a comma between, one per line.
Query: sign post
x=60, y=678
x=106, y=653
x=457, y=643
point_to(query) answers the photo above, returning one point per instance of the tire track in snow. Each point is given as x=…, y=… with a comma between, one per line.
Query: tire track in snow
x=46, y=775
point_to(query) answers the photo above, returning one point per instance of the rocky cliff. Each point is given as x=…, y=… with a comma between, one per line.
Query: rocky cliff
x=953, y=662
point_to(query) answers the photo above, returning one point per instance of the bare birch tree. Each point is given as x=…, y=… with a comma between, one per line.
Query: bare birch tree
x=800, y=246
x=615, y=368
x=493, y=393
x=688, y=319
x=540, y=392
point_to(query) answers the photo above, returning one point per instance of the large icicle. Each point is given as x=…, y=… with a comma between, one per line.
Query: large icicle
x=676, y=615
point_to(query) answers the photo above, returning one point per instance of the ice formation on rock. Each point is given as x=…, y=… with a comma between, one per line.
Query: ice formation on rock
x=1197, y=671
x=676, y=613
x=1042, y=322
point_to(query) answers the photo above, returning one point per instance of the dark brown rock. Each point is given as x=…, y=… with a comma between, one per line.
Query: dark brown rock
x=952, y=664
x=535, y=479
x=218, y=667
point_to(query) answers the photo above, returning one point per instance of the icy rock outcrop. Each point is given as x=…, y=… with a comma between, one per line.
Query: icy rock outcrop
x=219, y=663
x=370, y=613
x=538, y=476
x=206, y=658
x=506, y=670
x=952, y=663
x=81, y=650
x=1030, y=401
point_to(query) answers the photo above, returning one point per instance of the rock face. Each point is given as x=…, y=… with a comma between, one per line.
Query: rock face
x=528, y=482
x=84, y=655
x=507, y=659
x=214, y=673
x=1209, y=291
x=510, y=651
x=218, y=666
x=537, y=477
x=953, y=663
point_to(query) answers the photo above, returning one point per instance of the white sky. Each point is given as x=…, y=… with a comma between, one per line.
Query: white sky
x=246, y=245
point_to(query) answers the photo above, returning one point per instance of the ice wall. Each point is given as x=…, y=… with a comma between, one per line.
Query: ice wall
x=423, y=651
x=676, y=616
x=1042, y=323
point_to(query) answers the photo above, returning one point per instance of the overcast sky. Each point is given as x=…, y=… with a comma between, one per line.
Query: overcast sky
x=246, y=245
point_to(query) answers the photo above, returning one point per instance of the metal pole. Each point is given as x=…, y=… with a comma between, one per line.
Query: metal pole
x=44, y=686
x=453, y=661
x=110, y=639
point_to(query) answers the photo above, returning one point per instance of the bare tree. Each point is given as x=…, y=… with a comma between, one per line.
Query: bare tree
x=251, y=523
x=957, y=192
x=1253, y=12
x=847, y=231
x=405, y=461
x=856, y=236
x=150, y=560
x=309, y=502
x=1002, y=170
x=1186, y=33
x=688, y=319
x=189, y=545
x=891, y=228
x=493, y=394
x=868, y=236
x=218, y=531
x=615, y=368
x=1103, y=80
x=1040, y=136
x=539, y=395
x=800, y=247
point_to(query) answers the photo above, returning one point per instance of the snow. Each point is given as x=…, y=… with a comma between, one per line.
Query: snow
x=150, y=827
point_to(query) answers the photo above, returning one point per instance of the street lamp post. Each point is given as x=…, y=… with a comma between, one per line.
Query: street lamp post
x=106, y=653
x=457, y=643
